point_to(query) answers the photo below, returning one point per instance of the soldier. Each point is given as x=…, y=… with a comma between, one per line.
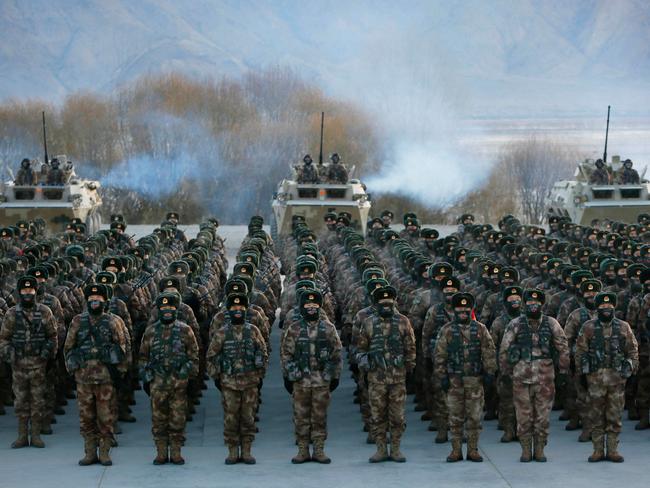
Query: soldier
x=386, y=353
x=529, y=345
x=307, y=173
x=55, y=175
x=95, y=352
x=26, y=175
x=310, y=354
x=387, y=218
x=236, y=360
x=511, y=297
x=337, y=172
x=628, y=175
x=600, y=176
x=169, y=356
x=607, y=355
x=465, y=361
x=28, y=340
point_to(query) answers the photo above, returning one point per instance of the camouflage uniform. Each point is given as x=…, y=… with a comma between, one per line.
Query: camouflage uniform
x=95, y=352
x=28, y=340
x=507, y=416
x=526, y=355
x=386, y=351
x=169, y=357
x=310, y=354
x=463, y=354
x=237, y=359
x=607, y=353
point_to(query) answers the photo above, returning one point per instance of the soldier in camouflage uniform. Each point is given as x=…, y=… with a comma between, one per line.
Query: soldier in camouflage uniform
x=607, y=355
x=386, y=353
x=511, y=297
x=465, y=361
x=643, y=338
x=96, y=353
x=307, y=173
x=529, y=346
x=28, y=340
x=169, y=357
x=310, y=354
x=236, y=359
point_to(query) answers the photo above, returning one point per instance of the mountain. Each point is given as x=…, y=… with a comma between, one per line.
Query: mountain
x=474, y=57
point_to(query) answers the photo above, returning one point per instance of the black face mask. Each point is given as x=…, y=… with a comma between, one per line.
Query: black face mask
x=168, y=316
x=635, y=287
x=609, y=280
x=621, y=281
x=310, y=314
x=385, y=310
x=95, y=307
x=534, y=311
x=513, y=308
x=605, y=314
x=237, y=317
x=27, y=300
x=462, y=317
x=590, y=303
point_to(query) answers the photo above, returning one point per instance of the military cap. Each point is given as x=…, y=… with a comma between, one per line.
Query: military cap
x=169, y=282
x=106, y=278
x=590, y=285
x=462, y=299
x=168, y=300
x=450, y=282
x=38, y=272
x=311, y=296
x=385, y=292
x=605, y=297
x=387, y=213
x=6, y=232
x=26, y=281
x=442, y=268
x=578, y=276
x=96, y=289
x=179, y=267
x=635, y=270
x=237, y=299
x=111, y=262
x=534, y=294
x=172, y=215
x=375, y=283
x=512, y=290
x=306, y=267
x=429, y=233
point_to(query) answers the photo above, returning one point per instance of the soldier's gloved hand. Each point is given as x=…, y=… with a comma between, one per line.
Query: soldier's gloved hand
x=584, y=382
x=147, y=388
x=217, y=383
x=488, y=380
x=334, y=384
x=288, y=385
x=444, y=383
x=561, y=380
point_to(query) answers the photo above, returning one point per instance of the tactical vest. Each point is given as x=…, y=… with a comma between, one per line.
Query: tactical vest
x=456, y=351
x=28, y=339
x=239, y=356
x=302, y=352
x=385, y=351
x=112, y=306
x=522, y=347
x=96, y=343
x=439, y=320
x=48, y=300
x=606, y=353
x=168, y=356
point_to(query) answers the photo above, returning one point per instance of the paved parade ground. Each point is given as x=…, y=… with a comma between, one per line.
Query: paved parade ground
x=56, y=465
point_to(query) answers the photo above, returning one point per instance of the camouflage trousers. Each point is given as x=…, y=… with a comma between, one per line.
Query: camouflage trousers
x=310, y=412
x=387, y=404
x=364, y=401
x=533, y=404
x=465, y=404
x=643, y=390
x=239, y=408
x=29, y=386
x=607, y=395
x=439, y=410
x=507, y=416
x=168, y=407
x=96, y=410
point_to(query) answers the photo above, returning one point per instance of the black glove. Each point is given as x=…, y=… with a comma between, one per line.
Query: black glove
x=584, y=382
x=561, y=380
x=444, y=384
x=334, y=384
x=288, y=385
x=354, y=368
x=147, y=388
x=217, y=383
x=488, y=380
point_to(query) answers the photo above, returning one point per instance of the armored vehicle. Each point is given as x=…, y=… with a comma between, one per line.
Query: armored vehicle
x=57, y=205
x=584, y=202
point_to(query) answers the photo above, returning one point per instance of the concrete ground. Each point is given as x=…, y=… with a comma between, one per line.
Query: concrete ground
x=56, y=465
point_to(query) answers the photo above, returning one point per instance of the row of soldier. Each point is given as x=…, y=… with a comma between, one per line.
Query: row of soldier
x=560, y=276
